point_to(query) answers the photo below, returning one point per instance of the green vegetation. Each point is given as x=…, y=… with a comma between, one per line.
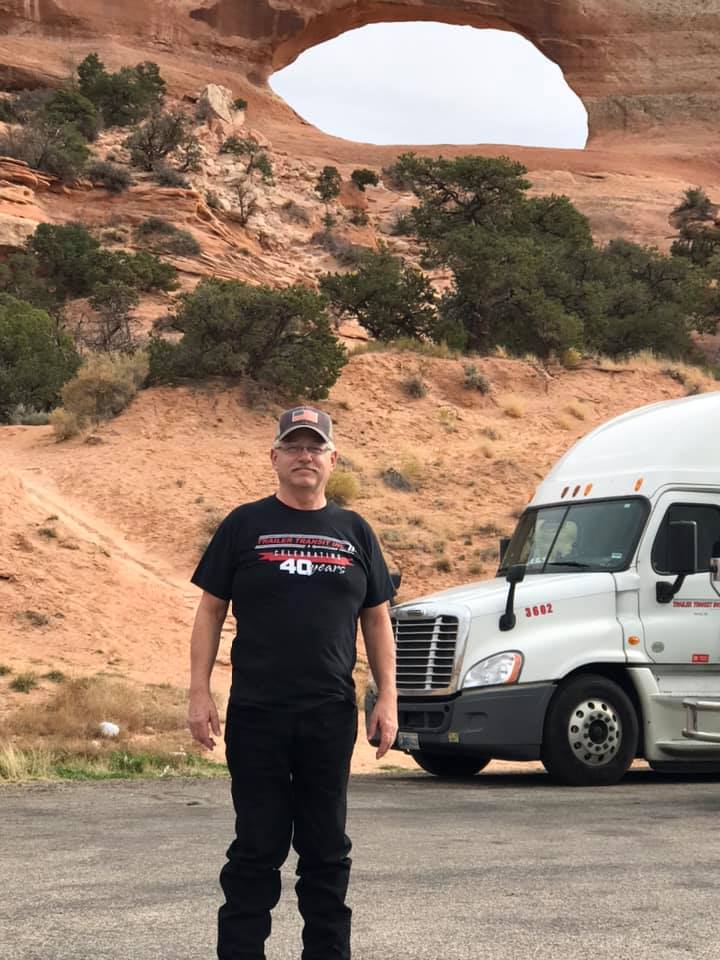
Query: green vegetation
x=526, y=274
x=162, y=134
x=70, y=106
x=166, y=238
x=35, y=358
x=389, y=298
x=414, y=387
x=327, y=187
x=109, y=175
x=474, y=380
x=364, y=178
x=280, y=338
x=125, y=97
x=23, y=682
x=103, y=387
x=55, y=148
x=257, y=159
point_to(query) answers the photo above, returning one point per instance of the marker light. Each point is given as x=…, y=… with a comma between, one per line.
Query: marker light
x=633, y=641
x=639, y=482
x=587, y=489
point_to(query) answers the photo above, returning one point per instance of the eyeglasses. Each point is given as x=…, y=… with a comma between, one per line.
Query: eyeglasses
x=295, y=449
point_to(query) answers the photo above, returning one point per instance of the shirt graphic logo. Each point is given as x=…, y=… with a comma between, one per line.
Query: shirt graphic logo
x=306, y=554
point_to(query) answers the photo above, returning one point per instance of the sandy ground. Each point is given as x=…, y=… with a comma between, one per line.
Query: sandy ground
x=99, y=535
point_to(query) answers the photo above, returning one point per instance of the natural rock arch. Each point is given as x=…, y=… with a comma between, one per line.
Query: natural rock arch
x=634, y=63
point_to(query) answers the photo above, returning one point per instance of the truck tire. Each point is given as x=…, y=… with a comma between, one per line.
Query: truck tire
x=591, y=732
x=448, y=766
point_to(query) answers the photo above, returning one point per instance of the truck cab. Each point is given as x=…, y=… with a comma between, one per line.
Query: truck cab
x=602, y=620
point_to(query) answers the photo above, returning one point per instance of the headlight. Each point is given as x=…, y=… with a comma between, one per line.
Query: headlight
x=500, y=668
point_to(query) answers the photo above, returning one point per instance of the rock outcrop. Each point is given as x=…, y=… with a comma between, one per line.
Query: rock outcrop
x=634, y=63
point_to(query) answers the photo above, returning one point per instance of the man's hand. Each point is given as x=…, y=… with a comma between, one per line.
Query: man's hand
x=384, y=719
x=202, y=718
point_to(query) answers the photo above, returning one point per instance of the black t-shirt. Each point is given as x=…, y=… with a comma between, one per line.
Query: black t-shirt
x=298, y=580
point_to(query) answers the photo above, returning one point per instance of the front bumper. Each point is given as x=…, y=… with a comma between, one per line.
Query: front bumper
x=503, y=723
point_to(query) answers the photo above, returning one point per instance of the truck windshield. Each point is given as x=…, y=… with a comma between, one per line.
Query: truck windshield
x=600, y=535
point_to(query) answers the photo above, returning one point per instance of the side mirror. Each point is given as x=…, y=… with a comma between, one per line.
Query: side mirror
x=682, y=547
x=682, y=556
x=502, y=549
x=515, y=575
x=715, y=563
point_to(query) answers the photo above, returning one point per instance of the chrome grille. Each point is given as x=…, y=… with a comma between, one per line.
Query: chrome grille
x=425, y=652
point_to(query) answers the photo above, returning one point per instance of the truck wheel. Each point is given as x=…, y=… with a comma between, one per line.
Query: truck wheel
x=444, y=766
x=591, y=732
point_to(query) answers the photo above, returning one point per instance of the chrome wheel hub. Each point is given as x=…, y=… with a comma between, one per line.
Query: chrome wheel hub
x=594, y=732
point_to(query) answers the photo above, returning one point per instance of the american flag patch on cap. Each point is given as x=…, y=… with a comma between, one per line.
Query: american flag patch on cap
x=305, y=415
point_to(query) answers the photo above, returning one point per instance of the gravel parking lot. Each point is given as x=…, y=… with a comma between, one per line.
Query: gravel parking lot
x=503, y=866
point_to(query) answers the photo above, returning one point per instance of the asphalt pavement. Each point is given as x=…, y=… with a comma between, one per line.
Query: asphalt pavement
x=504, y=867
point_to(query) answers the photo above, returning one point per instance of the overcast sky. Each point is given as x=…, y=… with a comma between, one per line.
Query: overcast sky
x=433, y=83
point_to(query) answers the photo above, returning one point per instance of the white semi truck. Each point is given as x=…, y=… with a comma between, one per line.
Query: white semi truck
x=602, y=621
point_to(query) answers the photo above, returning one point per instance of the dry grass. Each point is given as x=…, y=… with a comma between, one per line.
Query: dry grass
x=512, y=406
x=412, y=468
x=74, y=710
x=17, y=764
x=564, y=423
x=343, y=486
x=486, y=450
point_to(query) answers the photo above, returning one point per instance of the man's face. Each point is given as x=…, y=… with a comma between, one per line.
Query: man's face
x=297, y=464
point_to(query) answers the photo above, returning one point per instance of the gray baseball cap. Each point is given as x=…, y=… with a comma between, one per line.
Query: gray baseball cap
x=306, y=418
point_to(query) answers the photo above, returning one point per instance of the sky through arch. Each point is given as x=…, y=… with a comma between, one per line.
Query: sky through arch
x=433, y=83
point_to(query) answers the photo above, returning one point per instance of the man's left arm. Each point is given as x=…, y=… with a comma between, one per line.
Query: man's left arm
x=380, y=646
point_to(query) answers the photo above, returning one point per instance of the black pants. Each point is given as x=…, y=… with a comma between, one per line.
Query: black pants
x=289, y=774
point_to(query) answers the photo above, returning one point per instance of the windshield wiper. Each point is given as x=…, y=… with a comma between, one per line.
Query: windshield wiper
x=566, y=563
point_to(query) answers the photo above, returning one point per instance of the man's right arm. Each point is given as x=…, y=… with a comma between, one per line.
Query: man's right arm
x=204, y=643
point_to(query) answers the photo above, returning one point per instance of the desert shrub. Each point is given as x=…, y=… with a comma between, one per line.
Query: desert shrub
x=359, y=218
x=4, y=670
x=212, y=199
x=159, y=136
x=389, y=298
x=696, y=202
x=257, y=159
x=24, y=682
x=7, y=114
x=328, y=183
x=402, y=226
x=35, y=358
x=26, y=104
x=343, y=486
x=571, y=358
x=167, y=176
x=70, y=106
x=364, y=178
x=474, y=380
x=282, y=338
x=65, y=424
x=67, y=256
x=57, y=149
x=344, y=251
x=125, y=97
x=414, y=387
x=188, y=155
x=114, y=303
x=109, y=175
x=146, y=271
x=168, y=238
x=246, y=202
x=396, y=480
x=295, y=212
x=512, y=406
x=104, y=385
x=25, y=416
x=239, y=103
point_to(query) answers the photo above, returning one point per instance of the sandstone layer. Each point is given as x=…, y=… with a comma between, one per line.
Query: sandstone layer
x=636, y=64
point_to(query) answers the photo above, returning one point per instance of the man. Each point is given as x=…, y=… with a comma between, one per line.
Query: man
x=299, y=572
